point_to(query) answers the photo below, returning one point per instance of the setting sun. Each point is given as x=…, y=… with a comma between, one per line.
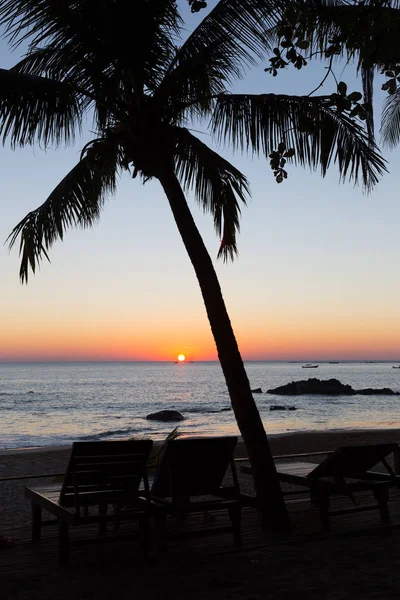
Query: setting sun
x=181, y=357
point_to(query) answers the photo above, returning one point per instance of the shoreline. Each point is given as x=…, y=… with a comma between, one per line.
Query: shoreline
x=308, y=441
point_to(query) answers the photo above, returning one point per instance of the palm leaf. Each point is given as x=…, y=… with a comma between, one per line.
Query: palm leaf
x=219, y=51
x=318, y=133
x=37, y=109
x=218, y=186
x=390, y=128
x=367, y=30
x=140, y=52
x=96, y=83
x=157, y=449
x=76, y=201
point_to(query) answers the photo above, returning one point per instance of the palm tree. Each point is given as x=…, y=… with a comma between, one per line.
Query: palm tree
x=143, y=86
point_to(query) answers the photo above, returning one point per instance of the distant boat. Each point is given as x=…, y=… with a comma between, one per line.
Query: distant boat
x=309, y=366
x=396, y=367
x=333, y=362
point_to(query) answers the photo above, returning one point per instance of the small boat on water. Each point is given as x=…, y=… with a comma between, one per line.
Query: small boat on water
x=309, y=366
x=396, y=367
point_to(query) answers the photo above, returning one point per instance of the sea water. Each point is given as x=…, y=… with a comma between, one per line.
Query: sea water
x=56, y=403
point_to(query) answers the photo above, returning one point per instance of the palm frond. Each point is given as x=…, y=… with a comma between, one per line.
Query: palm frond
x=102, y=32
x=366, y=30
x=228, y=40
x=319, y=134
x=96, y=83
x=247, y=22
x=158, y=448
x=37, y=109
x=76, y=201
x=218, y=186
x=390, y=127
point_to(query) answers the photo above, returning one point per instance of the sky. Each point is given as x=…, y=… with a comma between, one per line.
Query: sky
x=317, y=276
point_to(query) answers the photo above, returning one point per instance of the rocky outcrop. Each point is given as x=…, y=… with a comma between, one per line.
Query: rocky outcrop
x=378, y=392
x=279, y=407
x=166, y=415
x=329, y=387
x=257, y=391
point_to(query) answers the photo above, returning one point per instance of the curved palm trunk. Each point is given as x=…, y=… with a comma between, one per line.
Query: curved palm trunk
x=269, y=495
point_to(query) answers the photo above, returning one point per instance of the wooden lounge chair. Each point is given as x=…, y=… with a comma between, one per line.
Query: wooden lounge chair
x=189, y=479
x=345, y=472
x=98, y=474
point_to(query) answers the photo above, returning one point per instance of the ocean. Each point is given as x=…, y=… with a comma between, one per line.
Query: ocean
x=45, y=404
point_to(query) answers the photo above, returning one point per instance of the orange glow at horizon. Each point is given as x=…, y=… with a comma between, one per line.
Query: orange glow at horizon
x=69, y=340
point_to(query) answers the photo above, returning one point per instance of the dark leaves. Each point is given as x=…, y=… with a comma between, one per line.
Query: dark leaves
x=35, y=109
x=197, y=5
x=217, y=184
x=278, y=161
x=76, y=201
x=319, y=134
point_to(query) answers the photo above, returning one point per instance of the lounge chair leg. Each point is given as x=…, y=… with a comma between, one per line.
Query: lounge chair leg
x=381, y=494
x=63, y=537
x=36, y=522
x=235, y=514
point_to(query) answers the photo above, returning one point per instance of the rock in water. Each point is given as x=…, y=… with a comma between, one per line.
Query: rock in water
x=377, y=392
x=314, y=386
x=329, y=387
x=166, y=415
x=257, y=391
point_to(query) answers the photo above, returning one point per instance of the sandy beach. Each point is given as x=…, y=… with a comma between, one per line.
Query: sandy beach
x=363, y=566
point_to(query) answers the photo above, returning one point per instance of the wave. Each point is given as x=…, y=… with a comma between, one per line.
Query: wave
x=205, y=411
x=108, y=433
x=20, y=394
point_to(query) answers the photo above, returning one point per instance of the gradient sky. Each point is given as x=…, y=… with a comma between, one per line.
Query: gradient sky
x=317, y=276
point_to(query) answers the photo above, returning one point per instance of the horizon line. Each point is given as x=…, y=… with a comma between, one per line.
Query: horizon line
x=293, y=361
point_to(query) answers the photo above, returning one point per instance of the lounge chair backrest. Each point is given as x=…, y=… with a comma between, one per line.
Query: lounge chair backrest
x=105, y=472
x=193, y=466
x=352, y=460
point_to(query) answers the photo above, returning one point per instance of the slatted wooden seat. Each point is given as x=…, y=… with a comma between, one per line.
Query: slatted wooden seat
x=344, y=472
x=98, y=474
x=189, y=479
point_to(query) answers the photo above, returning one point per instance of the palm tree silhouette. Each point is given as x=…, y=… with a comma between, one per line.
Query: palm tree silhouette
x=128, y=67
